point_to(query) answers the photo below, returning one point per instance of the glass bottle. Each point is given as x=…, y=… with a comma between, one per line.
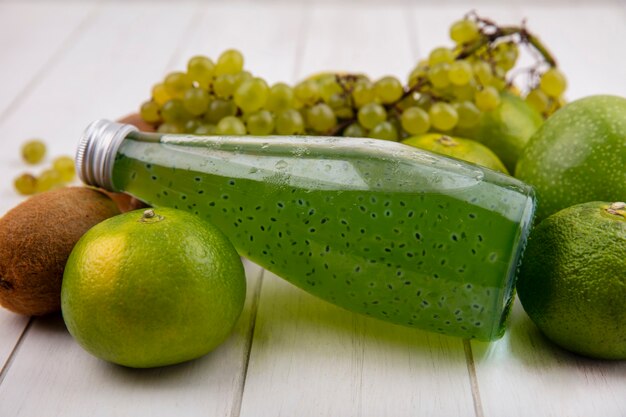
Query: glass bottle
x=376, y=227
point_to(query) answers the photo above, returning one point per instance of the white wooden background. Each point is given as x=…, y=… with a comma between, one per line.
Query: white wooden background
x=64, y=63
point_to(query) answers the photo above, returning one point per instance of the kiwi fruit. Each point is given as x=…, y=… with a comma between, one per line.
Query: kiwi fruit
x=36, y=238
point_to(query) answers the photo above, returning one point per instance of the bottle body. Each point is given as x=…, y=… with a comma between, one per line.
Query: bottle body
x=375, y=227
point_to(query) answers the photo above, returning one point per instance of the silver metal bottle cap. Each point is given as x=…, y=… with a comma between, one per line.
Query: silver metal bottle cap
x=96, y=152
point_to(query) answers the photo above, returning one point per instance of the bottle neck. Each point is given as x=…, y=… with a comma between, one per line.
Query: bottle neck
x=97, y=149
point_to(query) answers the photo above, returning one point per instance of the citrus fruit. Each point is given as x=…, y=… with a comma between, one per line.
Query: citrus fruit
x=152, y=288
x=506, y=129
x=465, y=149
x=572, y=282
x=578, y=155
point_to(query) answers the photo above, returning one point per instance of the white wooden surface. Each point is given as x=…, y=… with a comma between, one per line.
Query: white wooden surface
x=64, y=64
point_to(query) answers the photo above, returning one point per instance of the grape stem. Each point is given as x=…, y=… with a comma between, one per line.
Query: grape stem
x=492, y=32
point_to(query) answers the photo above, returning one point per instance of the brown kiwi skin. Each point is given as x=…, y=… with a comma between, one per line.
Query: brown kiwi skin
x=36, y=238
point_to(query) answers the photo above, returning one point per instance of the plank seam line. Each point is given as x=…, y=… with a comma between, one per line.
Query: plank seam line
x=50, y=63
x=9, y=362
x=471, y=370
x=194, y=22
x=411, y=20
x=301, y=41
x=254, y=307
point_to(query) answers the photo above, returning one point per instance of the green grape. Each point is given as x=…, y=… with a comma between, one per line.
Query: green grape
x=355, y=130
x=384, y=131
x=438, y=75
x=218, y=109
x=196, y=101
x=424, y=101
x=192, y=125
x=338, y=101
x=150, y=112
x=487, y=99
x=205, y=129
x=553, y=83
x=26, y=184
x=170, y=128
x=33, y=151
x=48, y=180
x=464, y=31
x=251, y=95
x=160, y=95
x=64, y=165
x=539, y=100
x=363, y=93
x=329, y=86
x=289, y=122
x=464, y=92
x=460, y=72
x=280, y=97
x=418, y=73
x=388, y=90
x=371, y=114
x=224, y=85
x=410, y=100
x=415, y=121
x=341, y=105
x=201, y=70
x=307, y=91
x=174, y=112
x=321, y=118
x=230, y=125
x=260, y=123
x=482, y=71
x=440, y=56
x=506, y=54
x=443, y=116
x=498, y=82
x=176, y=83
x=241, y=77
x=469, y=115
x=229, y=62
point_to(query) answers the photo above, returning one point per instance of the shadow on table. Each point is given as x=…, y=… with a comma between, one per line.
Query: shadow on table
x=52, y=328
x=525, y=343
x=292, y=318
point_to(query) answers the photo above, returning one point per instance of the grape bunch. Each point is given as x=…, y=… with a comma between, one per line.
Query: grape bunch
x=451, y=89
x=60, y=173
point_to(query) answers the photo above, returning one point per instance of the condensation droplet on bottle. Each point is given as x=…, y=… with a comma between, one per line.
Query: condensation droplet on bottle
x=252, y=170
x=281, y=164
x=327, y=167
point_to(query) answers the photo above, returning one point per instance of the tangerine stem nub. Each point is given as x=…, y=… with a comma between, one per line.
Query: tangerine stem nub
x=617, y=209
x=149, y=216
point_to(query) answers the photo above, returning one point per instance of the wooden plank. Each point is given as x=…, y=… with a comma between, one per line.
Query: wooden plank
x=525, y=374
x=102, y=74
x=266, y=36
x=26, y=54
x=31, y=42
x=11, y=328
x=588, y=44
x=120, y=52
x=372, y=39
x=310, y=358
x=52, y=375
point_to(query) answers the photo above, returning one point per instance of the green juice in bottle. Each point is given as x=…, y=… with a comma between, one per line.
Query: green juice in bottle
x=375, y=227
